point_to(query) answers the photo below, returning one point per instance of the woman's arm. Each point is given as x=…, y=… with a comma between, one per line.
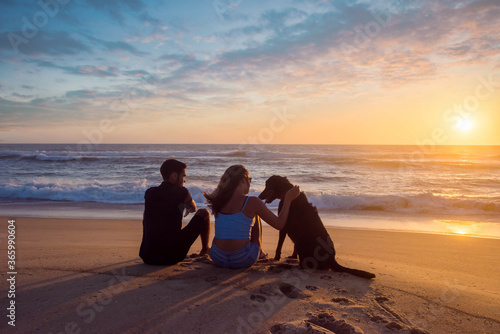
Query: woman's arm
x=278, y=222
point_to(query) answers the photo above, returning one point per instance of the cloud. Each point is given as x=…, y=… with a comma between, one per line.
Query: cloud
x=156, y=30
x=280, y=18
x=228, y=10
x=116, y=46
x=177, y=58
x=390, y=46
x=51, y=43
x=21, y=96
x=60, y=43
x=297, y=50
x=115, y=9
x=82, y=93
x=458, y=50
x=102, y=71
x=157, y=36
x=211, y=39
x=136, y=73
x=98, y=71
x=306, y=36
x=77, y=106
x=403, y=67
x=37, y=111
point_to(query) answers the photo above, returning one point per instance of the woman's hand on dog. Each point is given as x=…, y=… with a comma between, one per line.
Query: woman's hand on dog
x=292, y=194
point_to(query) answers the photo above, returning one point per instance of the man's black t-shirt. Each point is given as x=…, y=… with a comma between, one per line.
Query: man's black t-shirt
x=162, y=222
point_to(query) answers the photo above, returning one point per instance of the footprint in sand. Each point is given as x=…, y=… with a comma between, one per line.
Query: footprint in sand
x=277, y=329
x=381, y=299
x=294, y=327
x=326, y=277
x=258, y=298
x=340, y=290
x=291, y=292
x=189, y=265
x=276, y=269
x=377, y=318
x=342, y=300
x=312, y=288
x=270, y=290
x=394, y=326
x=418, y=331
x=327, y=321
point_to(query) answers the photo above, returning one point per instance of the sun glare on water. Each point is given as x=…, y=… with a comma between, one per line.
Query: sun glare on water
x=460, y=227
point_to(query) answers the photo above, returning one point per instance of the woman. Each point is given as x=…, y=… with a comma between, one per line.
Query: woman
x=237, y=241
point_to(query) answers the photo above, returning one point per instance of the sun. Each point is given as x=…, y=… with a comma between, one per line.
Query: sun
x=464, y=124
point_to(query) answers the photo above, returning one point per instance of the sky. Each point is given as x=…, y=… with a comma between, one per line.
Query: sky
x=261, y=72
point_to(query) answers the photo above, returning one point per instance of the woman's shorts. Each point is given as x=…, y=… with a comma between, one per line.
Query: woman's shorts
x=242, y=258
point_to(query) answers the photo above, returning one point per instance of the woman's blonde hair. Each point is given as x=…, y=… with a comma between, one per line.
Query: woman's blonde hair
x=226, y=187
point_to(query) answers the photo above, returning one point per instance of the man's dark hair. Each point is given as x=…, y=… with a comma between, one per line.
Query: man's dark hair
x=171, y=166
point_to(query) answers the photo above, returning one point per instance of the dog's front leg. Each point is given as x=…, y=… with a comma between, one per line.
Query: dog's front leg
x=277, y=256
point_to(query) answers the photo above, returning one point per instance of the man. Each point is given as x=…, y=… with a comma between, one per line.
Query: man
x=164, y=241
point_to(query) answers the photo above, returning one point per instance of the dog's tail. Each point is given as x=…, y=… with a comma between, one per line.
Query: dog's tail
x=355, y=272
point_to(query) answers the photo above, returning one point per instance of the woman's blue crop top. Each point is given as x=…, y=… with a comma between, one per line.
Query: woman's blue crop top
x=234, y=226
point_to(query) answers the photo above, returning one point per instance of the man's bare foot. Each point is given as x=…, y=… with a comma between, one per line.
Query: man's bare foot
x=205, y=251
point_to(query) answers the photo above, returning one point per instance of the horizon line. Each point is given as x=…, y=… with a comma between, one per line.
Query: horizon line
x=244, y=145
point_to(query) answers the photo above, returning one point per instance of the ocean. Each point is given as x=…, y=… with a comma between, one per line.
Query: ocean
x=440, y=189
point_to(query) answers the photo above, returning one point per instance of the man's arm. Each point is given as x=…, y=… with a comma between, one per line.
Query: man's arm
x=189, y=205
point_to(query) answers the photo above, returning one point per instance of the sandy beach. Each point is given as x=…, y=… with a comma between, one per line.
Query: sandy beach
x=85, y=276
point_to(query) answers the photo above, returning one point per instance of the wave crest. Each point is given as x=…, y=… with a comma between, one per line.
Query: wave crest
x=133, y=193
x=417, y=203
